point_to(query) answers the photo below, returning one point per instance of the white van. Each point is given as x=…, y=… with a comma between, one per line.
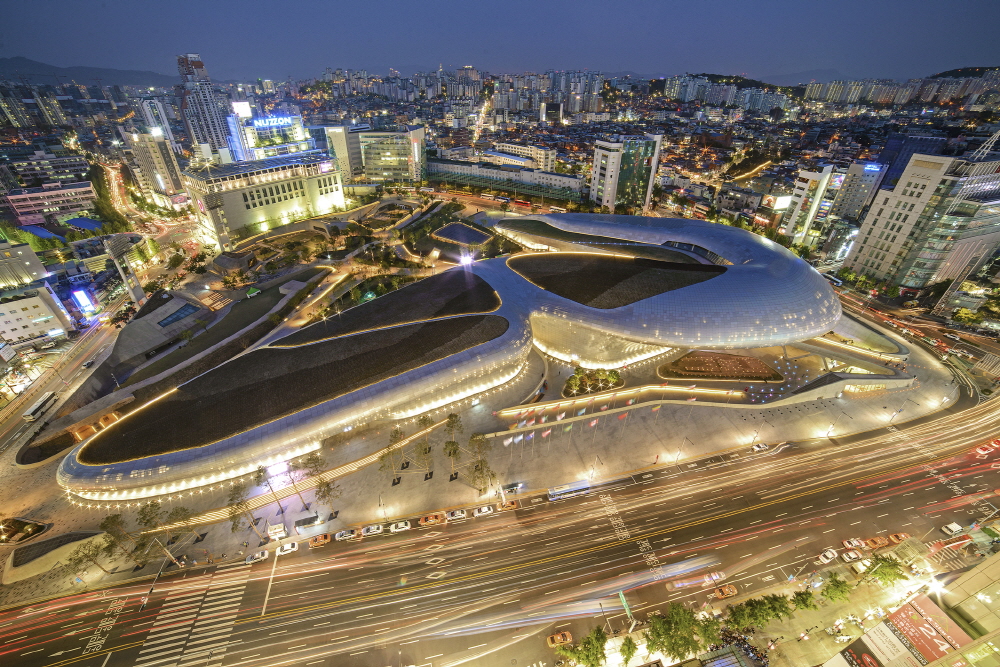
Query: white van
x=952, y=529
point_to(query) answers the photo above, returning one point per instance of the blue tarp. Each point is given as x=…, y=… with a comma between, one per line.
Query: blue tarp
x=40, y=232
x=88, y=224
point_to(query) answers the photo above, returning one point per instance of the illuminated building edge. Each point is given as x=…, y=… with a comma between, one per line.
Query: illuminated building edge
x=766, y=296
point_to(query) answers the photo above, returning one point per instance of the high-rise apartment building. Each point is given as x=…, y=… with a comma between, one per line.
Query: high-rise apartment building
x=812, y=199
x=624, y=170
x=942, y=213
x=203, y=109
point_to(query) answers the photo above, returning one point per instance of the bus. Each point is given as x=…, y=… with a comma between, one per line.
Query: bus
x=486, y=196
x=426, y=190
x=503, y=200
x=556, y=209
x=521, y=202
x=834, y=280
x=40, y=406
x=569, y=490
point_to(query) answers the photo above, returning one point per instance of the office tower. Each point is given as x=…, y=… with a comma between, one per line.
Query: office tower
x=235, y=201
x=266, y=136
x=394, y=156
x=900, y=147
x=858, y=190
x=943, y=213
x=203, y=108
x=811, y=202
x=624, y=170
x=159, y=173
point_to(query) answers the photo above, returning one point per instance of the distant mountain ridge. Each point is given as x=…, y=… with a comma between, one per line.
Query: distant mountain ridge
x=963, y=73
x=18, y=68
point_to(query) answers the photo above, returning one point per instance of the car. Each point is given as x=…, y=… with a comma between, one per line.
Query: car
x=876, y=542
x=558, y=639
x=727, y=591
x=851, y=555
x=399, y=527
x=513, y=488
x=952, y=336
x=759, y=447
x=348, y=534
x=256, y=557
x=455, y=514
x=984, y=449
x=319, y=540
x=509, y=505
x=896, y=538
x=88, y=363
x=828, y=556
x=854, y=543
x=952, y=529
x=285, y=549
x=485, y=510
x=374, y=529
x=432, y=519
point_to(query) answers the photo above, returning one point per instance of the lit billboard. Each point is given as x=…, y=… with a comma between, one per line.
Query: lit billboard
x=242, y=109
x=778, y=203
x=83, y=301
x=914, y=635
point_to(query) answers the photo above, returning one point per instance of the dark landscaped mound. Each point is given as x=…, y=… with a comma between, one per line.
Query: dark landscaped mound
x=270, y=383
x=453, y=292
x=603, y=281
x=573, y=239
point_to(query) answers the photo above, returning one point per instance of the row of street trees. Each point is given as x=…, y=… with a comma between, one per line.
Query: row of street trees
x=148, y=539
x=476, y=467
x=679, y=631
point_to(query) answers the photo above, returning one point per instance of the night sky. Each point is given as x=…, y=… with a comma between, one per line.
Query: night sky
x=247, y=39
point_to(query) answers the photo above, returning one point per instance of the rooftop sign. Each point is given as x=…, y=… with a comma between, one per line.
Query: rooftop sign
x=272, y=121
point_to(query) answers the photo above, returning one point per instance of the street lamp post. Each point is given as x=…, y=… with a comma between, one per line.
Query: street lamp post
x=834, y=424
x=901, y=408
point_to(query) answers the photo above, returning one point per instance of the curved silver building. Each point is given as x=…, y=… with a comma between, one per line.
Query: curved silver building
x=610, y=290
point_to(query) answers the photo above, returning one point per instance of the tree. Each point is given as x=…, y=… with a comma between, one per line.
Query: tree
x=628, y=649
x=779, y=606
x=85, y=555
x=675, y=633
x=590, y=650
x=151, y=515
x=261, y=477
x=836, y=589
x=453, y=451
x=886, y=570
x=181, y=514
x=175, y=261
x=326, y=492
x=239, y=510
x=453, y=425
x=966, y=316
x=804, y=600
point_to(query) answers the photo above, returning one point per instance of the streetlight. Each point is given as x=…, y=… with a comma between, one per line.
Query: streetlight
x=901, y=408
x=834, y=424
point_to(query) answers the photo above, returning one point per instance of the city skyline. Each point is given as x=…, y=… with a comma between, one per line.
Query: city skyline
x=645, y=39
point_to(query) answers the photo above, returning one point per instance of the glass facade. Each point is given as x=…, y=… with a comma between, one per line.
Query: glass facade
x=636, y=171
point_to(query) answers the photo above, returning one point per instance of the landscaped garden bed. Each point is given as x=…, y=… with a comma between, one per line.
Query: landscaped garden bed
x=591, y=381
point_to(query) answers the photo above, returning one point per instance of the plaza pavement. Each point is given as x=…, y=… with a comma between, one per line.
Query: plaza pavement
x=676, y=432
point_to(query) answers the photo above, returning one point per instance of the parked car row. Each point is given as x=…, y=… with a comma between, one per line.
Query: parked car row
x=371, y=530
x=853, y=547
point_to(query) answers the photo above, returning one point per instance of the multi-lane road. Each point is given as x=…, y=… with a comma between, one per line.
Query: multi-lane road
x=487, y=591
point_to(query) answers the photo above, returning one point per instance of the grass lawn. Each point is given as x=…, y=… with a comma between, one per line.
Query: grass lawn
x=240, y=316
